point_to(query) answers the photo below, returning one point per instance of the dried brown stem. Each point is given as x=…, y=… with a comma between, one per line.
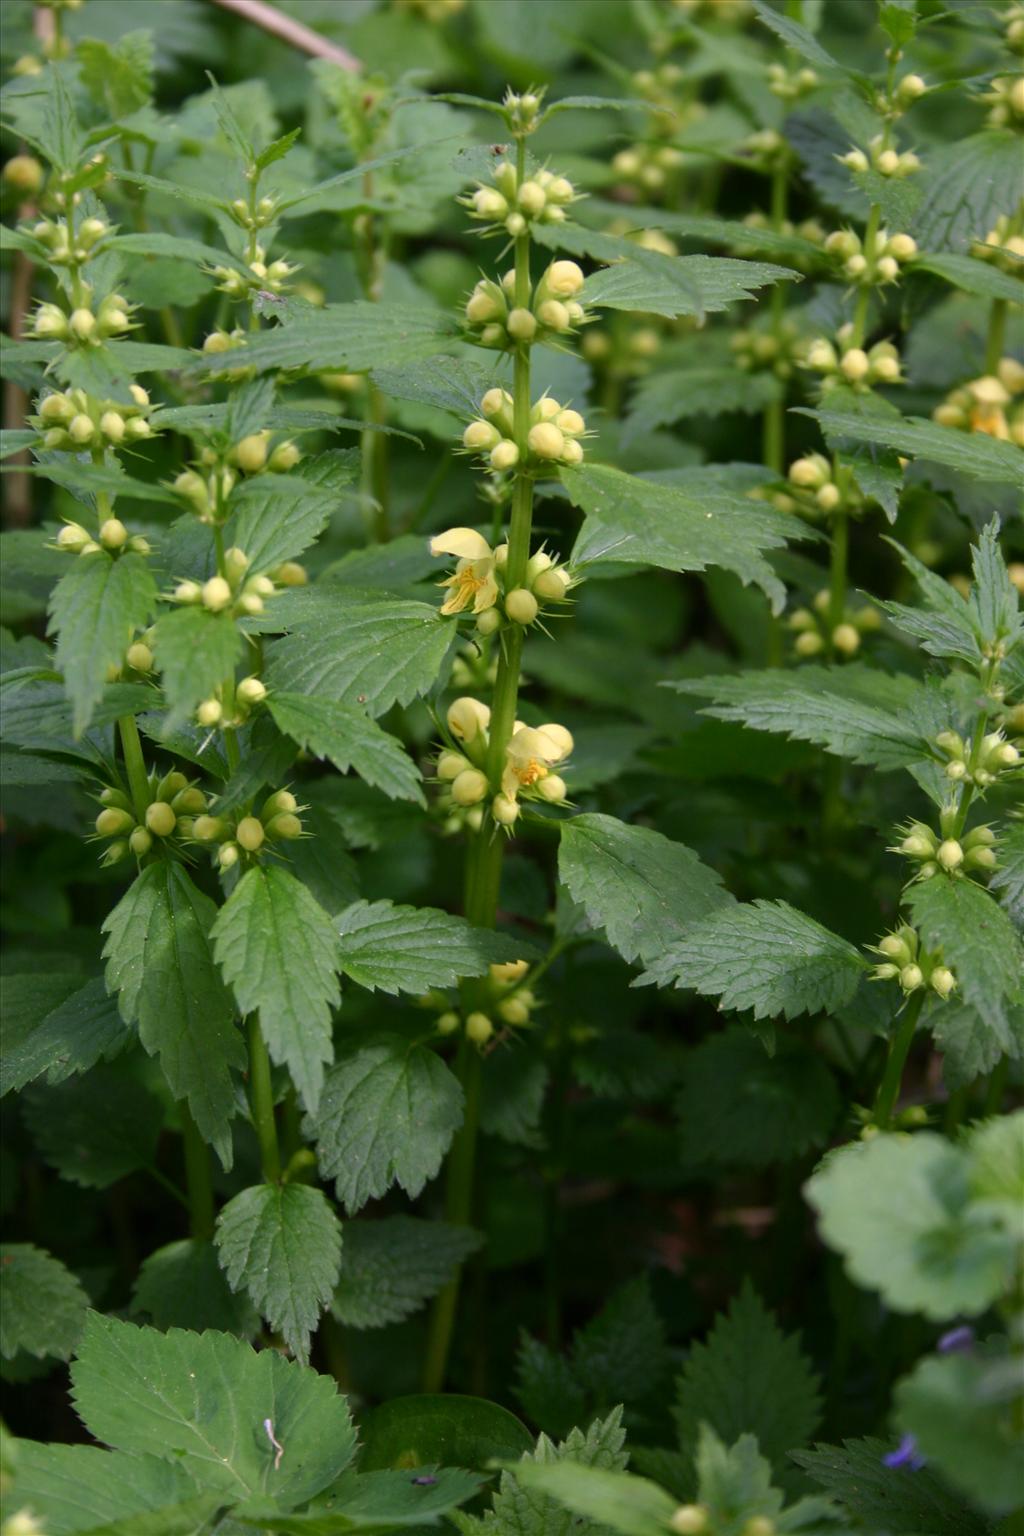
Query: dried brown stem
x=291, y=32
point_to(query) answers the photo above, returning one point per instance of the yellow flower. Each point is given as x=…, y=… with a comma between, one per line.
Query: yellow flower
x=473, y=583
x=529, y=758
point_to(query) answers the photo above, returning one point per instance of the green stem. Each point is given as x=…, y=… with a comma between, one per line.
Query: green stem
x=134, y=765
x=197, y=1176
x=996, y=1087
x=860, y=313
x=899, y=1049
x=995, y=341
x=458, y=1210
x=261, y=1100
x=837, y=570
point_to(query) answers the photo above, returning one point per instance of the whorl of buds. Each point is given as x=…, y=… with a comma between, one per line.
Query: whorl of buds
x=509, y=205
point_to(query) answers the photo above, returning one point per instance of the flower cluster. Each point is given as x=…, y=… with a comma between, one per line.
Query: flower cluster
x=1002, y=247
x=817, y=488
x=552, y=309
x=768, y=349
x=811, y=230
x=67, y=244
x=253, y=454
x=73, y=420
x=236, y=592
x=258, y=273
x=995, y=755
x=993, y=404
x=245, y=837
x=83, y=326
x=510, y=205
x=882, y=158
x=1006, y=102
x=816, y=631
x=906, y=961
x=791, y=84
x=503, y=1001
x=648, y=166
x=975, y=852
x=874, y=267
x=112, y=538
x=174, y=801
x=479, y=581
x=553, y=437
x=532, y=753
x=862, y=368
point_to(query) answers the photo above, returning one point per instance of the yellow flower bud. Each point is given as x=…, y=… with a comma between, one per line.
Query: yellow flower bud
x=512, y=1010
x=531, y=198
x=481, y=436
x=554, y=315
x=888, y=269
x=112, y=822
x=139, y=657
x=504, y=455
x=950, y=854
x=689, y=1520
x=552, y=585
x=448, y=1022
x=227, y=857
x=809, y=643
x=286, y=825
x=209, y=713
x=291, y=574
x=903, y=247
x=488, y=622
x=450, y=765
x=481, y=307
x=495, y=400
x=552, y=788
x=81, y=429
x=467, y=718
x=888, y=163
x=911, y=977
x=564, y=279
x=208, y=829
x=250, y=691
x=73, y=537
x=505, y=810
x=479, y=1028
x=846, y=639
x=216, y=594
x=24, y=173
x=488, y=203
x=521, y=325
x=828, y=497
x=855, y=365
x=160, y=819
x=284, y=457
x=560, y=739
x=113, y=534
x=469, y=787
x=250, y=834
x=251, y=453
x=82, y=323
x=140, y=842
x=521, y=605
x=546, y=441
x=942, y=981
x=855, y=160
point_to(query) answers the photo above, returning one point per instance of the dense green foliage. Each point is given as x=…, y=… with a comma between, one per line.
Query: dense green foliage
x=512, y=691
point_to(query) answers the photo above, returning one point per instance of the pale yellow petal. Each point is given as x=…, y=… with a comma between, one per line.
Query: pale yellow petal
x=465, y=542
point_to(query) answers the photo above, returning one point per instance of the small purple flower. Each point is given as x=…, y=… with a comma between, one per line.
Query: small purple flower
x=905, y=1455
x=957, y=1340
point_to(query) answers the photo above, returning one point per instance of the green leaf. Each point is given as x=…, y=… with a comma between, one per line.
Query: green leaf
x=345, y=735
x=368, y=650
x=182, y=1286
x=1008, y=880
x=195, y=651
x=95, y=610
x=428, y=1430
x=641, y=522
x=396, y=949
x=173, y=248
x=994, y=602
x=202, y=1401
x=95, y=1129
x=387, y=1114
x=977, y=940
x=971, y=182
x=118, y=76
x=764, y=956
x=677, y=285
x=322, y=861
x=738, y=1107
x=519, y=1508
x=901, y=1214
x=944, y=626
x=964, y=1413
x=973, y=454
x=970, y=274
x=854, y=711
x=899, y=19
x=160, y=962
x=206, y=202
x=748, y=1377
x=394, y=1264
x=77, y=1488
x=973, y=1043
x=44, y=1304
x=547, y=1388
x=279, y=954
x=621, y=1355
x=640, y=887
x=797, y=37
x=618, y=1500
x=277, y=150
x=877, y=1495
x=357, y=337
x=277, y=517
x=381, y=1501
x=680, y=393
x=735, y=1482
x=58, y=1032
x=281, y=1244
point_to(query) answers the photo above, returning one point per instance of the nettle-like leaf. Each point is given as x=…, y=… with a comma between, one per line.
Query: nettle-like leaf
x=643, y=522
x=44, y=1304
x=1008, y=880
x=973, y=454
x=203, y=1401
x=160, y=962
x=54, y=1027
x=902, y=1214
x=347, y=736
x=95, y=610
x=970, y=184
x=643, y=889
x=357, y=336
x=680, y=393
x=764, y=956
x=739, y=1107
x=393, y=1265
x=748, y=1377
x=95, y=1129
x=678, y=285
x=366, y=649
x=183, y=1286
x=277, y=517
x=281, y=1244
x=394, y=949
x=857, y=712
x=279, y=954
x=387, y=1114
x=520, y=1508
x=83, y=1488
x=621, y=1356
x=382, y=1501
x=856, y=1476
x=195, y=651
x=977, y=939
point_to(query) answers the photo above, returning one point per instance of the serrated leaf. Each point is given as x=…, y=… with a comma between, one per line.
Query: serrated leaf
x=95, y=1129
x=520, y=1510
x=395, y=1264
x=281, y=1244
x=972, y=1043
x=994, y=602
x=974, y=454
x=854, y=711
x=970, y=184
x=796, y=36
x=276, y=517
x=547, y=1388
x=411, y=949
x=202, y=1401
x=173, y=248
x=387, y=1114
x=856, y=1476
x=118, y=76
x=160, y=963
x=56, y=1033
x=764, y=956
x=620, y=1501
x=95, y=610
x=182, y=1286
x=677, y=285
x=1008, y=880
x=345, y=735
x=621, y=1354
x=44, y=1305
x=357, y=337
x=370, y=650
x=738, y=1107
x=641, y=522
x=970, y=274
x=641, y=888
x=76, y=1488
x=977, y=939
x=665, y=398
x=734, y=1482
x=901, y=1214
x=748, y=1377
x=279, y=953
x=195, y=651
x=382, y=1501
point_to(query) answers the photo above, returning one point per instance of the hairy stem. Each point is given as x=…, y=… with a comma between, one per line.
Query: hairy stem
x=134, y=765
x=899, y=1049
x=261, y=1100
x=197, y=1176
